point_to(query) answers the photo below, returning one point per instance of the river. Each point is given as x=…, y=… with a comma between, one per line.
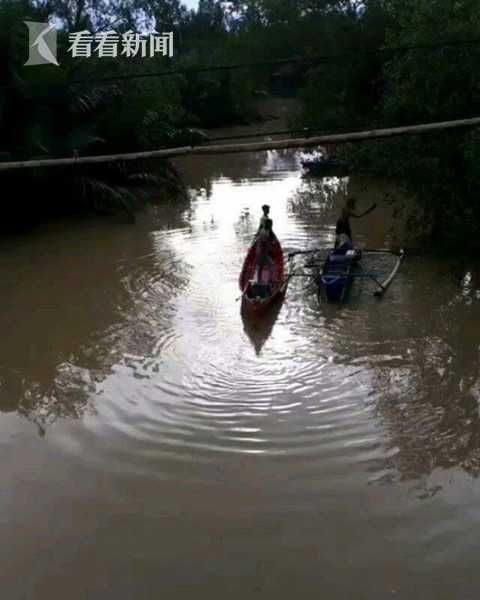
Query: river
x=155, y=443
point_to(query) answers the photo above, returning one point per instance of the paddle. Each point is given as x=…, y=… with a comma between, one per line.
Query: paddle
x=289, y=265
x=369, y=210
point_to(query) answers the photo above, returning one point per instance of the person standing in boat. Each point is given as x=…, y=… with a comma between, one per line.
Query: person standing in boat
x=343, y=230
x=263, y=248
x=264, y=218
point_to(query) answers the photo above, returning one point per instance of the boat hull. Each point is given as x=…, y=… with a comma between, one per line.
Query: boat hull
x=257, y=297
x=336, y=276
x=253, y=305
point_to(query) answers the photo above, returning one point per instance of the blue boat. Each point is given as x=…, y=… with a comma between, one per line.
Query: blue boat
x=336, y=275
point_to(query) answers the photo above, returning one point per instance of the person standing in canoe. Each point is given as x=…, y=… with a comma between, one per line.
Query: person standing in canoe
x=263, y=248
x=264, y=218
x=343, y=229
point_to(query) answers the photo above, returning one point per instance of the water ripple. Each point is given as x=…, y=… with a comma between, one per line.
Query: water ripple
x=190, y=376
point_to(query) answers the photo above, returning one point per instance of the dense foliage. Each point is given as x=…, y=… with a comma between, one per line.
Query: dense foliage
x=391, y=62
x=406, y=62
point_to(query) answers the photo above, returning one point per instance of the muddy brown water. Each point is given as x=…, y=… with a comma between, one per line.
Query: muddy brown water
x=154, y=443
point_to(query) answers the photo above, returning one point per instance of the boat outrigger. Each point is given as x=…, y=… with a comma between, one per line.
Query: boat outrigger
x=335, y=274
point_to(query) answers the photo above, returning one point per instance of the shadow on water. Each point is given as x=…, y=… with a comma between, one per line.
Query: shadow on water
x=259, y=327
x=428, y=397
x=420, y=345
x=76, y=300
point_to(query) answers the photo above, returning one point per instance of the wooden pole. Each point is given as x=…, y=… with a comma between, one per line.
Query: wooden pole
x=341, y=138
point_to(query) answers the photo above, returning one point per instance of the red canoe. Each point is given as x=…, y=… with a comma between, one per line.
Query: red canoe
x=257, y=295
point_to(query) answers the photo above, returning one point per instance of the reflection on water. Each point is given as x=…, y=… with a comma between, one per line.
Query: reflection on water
x=258, y=327
x=175, y=416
